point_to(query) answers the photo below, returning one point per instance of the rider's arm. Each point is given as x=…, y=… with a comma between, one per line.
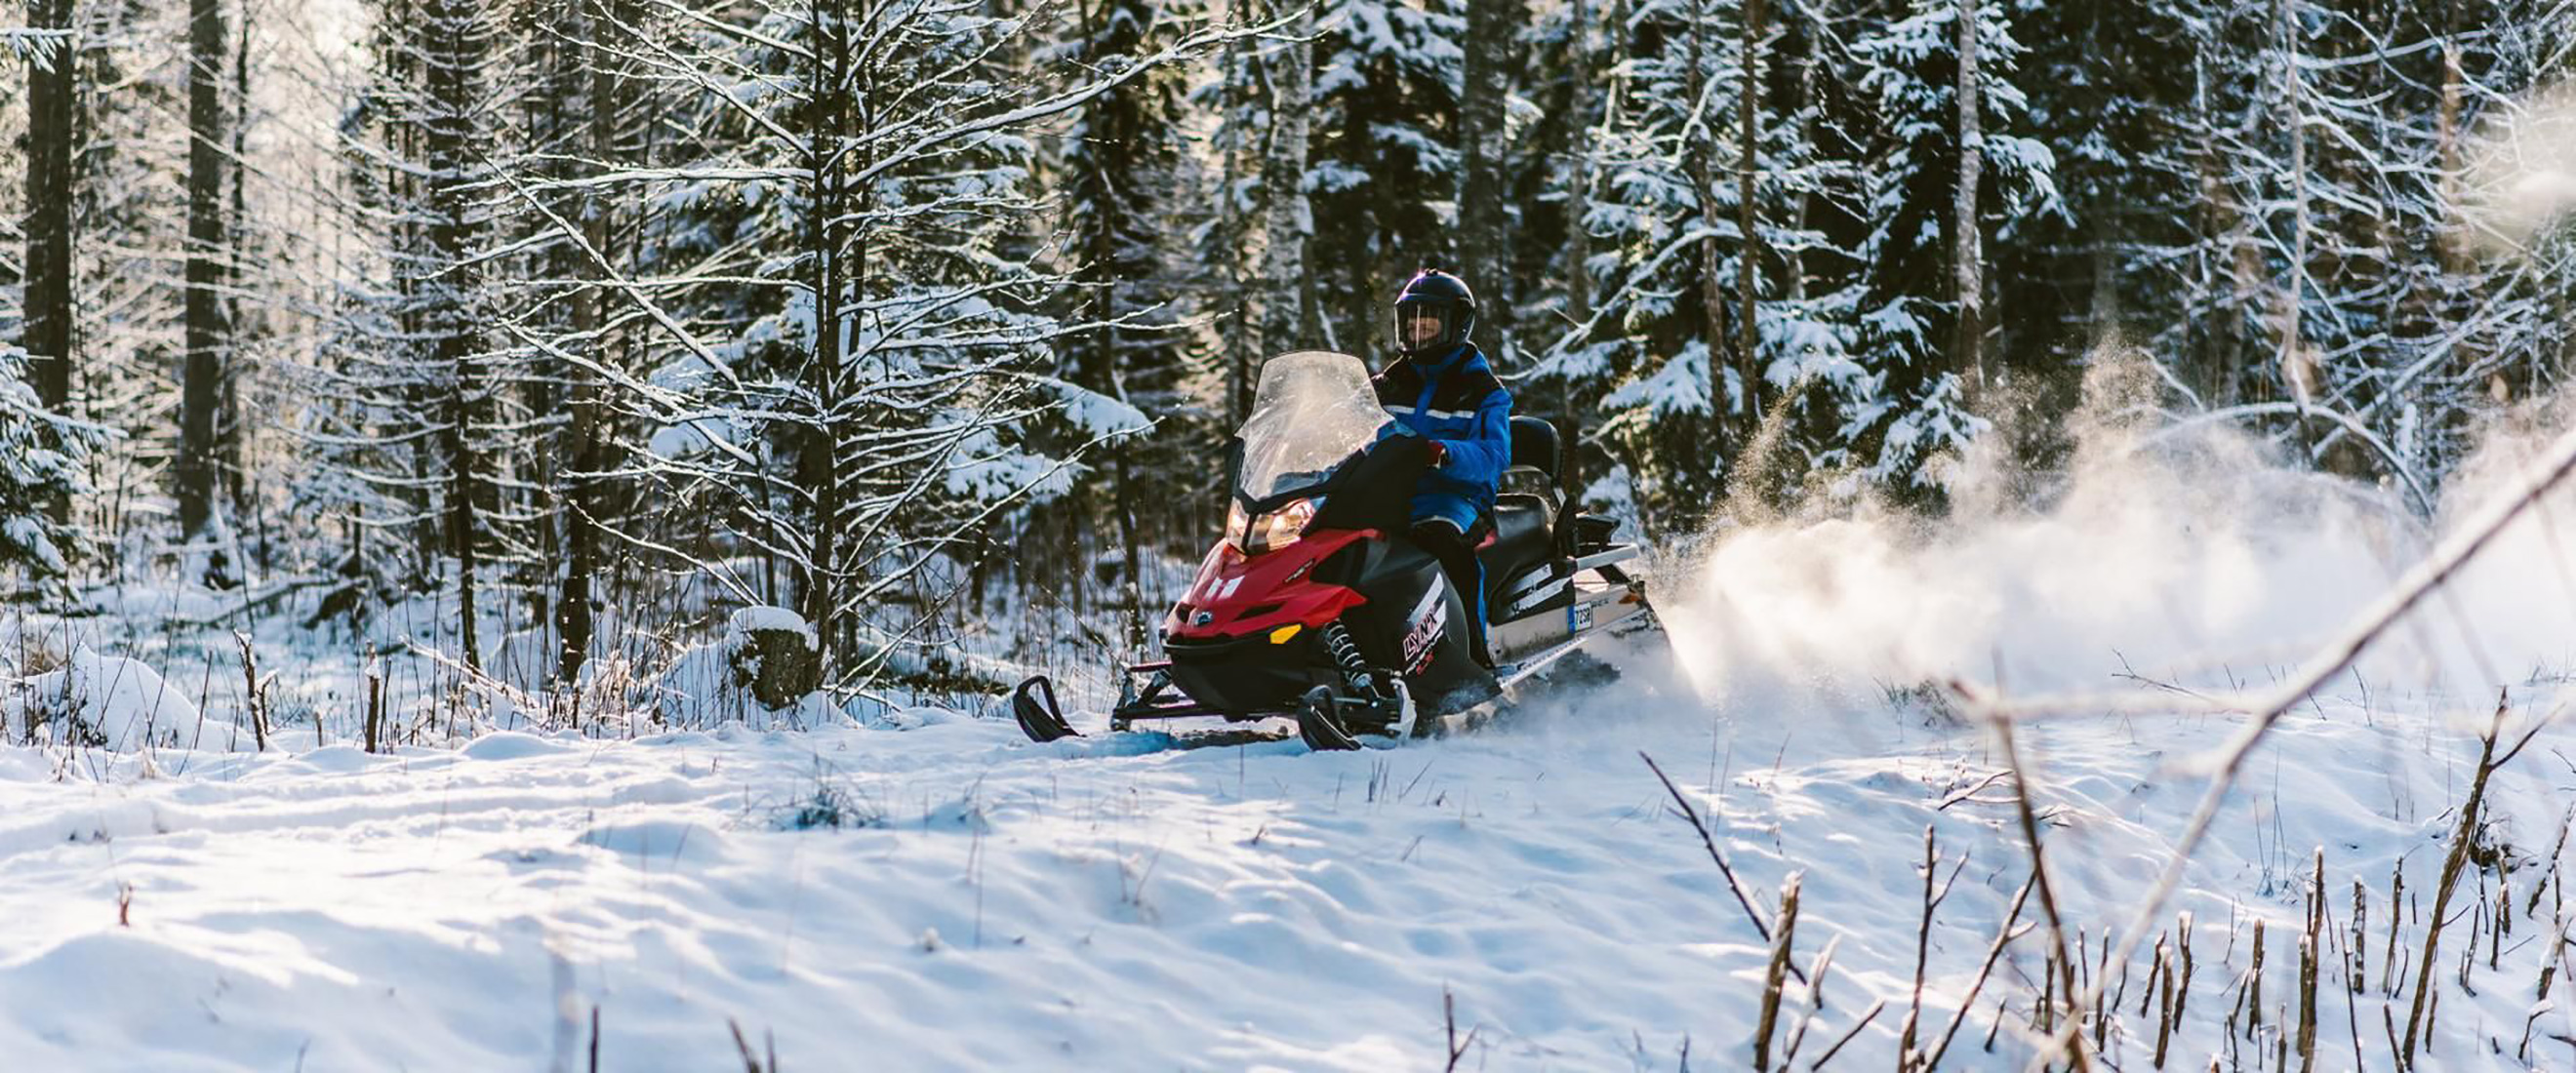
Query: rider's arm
x=1487, y=449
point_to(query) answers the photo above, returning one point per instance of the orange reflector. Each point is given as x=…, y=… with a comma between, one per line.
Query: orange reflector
x=1281, y=635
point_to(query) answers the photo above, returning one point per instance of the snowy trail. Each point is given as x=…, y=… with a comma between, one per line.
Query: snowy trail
x=1009, y=905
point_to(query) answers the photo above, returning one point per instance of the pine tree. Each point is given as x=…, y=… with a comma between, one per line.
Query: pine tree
x=415, y=411
x=1382, y=177
x=40, y=455
x=1662, y=182
x=1913, y=263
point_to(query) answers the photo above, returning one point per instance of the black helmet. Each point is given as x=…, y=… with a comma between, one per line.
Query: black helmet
x=1444, y=302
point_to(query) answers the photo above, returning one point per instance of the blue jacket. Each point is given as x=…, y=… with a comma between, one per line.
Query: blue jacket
x=1455, y=400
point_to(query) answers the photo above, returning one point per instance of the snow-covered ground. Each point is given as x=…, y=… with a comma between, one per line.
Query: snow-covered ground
x=928, y=891
x=985, y=903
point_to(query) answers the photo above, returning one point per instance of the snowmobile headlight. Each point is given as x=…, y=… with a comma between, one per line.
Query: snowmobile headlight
x=1274, y=530
x=1237, y=524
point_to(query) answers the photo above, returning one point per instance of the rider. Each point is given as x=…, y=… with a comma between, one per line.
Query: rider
x=1442, y=389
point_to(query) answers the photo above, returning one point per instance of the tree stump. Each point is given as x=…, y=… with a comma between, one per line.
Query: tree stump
x=775, y=655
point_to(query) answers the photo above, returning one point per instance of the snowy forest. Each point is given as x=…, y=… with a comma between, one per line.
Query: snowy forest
x=461, y=384
x=882, y=311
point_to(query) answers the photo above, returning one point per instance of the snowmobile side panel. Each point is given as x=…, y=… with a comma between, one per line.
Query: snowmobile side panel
x=1415, y=623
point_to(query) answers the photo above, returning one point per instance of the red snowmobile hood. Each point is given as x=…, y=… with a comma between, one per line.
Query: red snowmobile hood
x=1237, y=594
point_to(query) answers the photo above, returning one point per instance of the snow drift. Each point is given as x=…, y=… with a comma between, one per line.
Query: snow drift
x=112, y=703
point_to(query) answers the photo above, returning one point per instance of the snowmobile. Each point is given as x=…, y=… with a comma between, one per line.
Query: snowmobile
x=1317, y=607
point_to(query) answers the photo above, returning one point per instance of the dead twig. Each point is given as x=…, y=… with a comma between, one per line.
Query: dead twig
x=2068, y=1039
x=1994, y=951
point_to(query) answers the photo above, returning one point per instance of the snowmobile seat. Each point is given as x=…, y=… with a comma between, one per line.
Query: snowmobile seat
x=1520, y=541
x=1534, y=445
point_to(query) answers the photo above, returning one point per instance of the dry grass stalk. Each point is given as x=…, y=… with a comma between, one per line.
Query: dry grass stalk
x=2351, y=1014
x=375, y=728
x=2307, y=1033
x=1934, y=893
x=2360, y=928
x=742, y=1046
x=252, y=695
x=2312, y=961
x=2071, y=1041
x=1994, y=950
x=1775, y=977
x=1817, y=970
x=1710, y=840
x=2417, y=1015
x=2549, y=965
x=2164, y=1015
x=2253, y=995
x=2182, y=988
x=2156, y=969
x=1864, y=1021
x=2503, y=922
x=1449, y=1018
x=2388, y=972
x=2533, y=906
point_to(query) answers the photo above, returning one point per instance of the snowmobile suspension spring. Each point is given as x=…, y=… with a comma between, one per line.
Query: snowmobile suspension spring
x=1337, y=641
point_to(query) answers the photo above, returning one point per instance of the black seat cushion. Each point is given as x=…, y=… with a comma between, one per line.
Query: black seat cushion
x=1521, y=525
x=1534, y=444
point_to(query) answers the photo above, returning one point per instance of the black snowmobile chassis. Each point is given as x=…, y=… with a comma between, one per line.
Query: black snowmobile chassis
x=1369, y=701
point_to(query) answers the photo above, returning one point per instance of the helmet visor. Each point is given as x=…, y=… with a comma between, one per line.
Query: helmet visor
x=1421, y=326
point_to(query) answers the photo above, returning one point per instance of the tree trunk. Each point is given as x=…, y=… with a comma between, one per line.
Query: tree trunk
x=1578, y=201
x=202, y=372
x=1578, y=244
x=582, y=506
x=452, y=32
x=230, y=437
x=1290, y=219
x=1967, y=250
x=1481, y=236
x=2216, y=374
x=827, y=206
x=1712, y=290
x=2452, y=251
x=1748, y=106
x=1234, y=231
x=2298, y=376
x=1819, y=15
x=51, y=93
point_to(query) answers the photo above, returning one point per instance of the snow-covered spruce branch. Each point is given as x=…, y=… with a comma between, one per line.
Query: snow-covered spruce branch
x=38, y=45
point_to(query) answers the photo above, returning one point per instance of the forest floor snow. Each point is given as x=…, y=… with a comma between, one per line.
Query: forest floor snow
x=951, y=897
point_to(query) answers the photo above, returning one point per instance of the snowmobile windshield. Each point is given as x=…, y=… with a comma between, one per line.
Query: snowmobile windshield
x=1312, y=410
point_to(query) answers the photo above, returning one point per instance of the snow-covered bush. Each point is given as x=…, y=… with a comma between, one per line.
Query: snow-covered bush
x=112, y=703
x=761, y=673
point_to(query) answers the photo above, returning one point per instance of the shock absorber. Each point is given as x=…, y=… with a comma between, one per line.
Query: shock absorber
x=1337, y=641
